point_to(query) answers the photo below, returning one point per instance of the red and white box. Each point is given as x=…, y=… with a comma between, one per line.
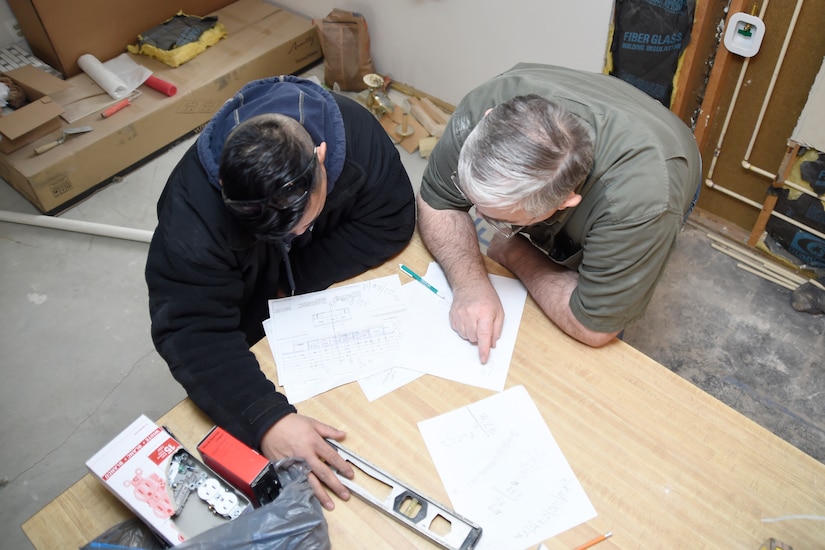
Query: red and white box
x=246, y=469
x=162, y=483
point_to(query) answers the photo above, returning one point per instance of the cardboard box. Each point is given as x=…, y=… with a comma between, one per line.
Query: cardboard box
x=37, y=118
x=262, y=41
x=59, y=31
x=247, y=470
x=175, y=494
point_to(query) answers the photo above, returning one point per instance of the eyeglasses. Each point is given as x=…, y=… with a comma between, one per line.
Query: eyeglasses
x=454, y=179
x=284, y=198
x=507, y=230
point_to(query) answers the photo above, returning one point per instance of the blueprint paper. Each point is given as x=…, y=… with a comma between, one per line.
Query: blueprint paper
x=346, y=332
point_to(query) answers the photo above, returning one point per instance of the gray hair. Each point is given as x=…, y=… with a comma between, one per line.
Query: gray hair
x=528, y=153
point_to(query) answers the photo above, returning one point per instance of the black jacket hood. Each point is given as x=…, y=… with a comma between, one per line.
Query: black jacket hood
x=301, y=99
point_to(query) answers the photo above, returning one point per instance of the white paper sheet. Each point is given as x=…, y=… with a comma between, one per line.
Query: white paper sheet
x=342, y=333
x=503, y=470
x=430, y=345
x=384, y=335
x=384, y=382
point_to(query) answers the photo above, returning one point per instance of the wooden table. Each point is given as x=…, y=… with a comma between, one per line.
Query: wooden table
x=665, y=464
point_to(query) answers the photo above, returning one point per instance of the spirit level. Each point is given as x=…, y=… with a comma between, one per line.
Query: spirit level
x=431, y=520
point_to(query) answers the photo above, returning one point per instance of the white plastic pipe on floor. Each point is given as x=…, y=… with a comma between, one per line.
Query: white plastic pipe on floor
x=77, y=226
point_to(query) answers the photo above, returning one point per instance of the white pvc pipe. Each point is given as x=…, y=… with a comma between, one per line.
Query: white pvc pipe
x=729, y=114
x=779, y=61
x=787, y=183
x=755, y=204
x=726, y=122
x=77, y=226
x=792, y=185
x=745, y=164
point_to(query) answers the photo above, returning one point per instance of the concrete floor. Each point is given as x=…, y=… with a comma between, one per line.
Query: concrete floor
x=737, y=337
x=79, y=363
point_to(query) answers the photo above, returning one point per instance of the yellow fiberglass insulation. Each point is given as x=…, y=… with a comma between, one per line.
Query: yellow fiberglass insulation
x=179, y=38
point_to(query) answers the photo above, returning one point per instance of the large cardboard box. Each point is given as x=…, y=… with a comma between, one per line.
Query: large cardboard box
x=262, y=41
x=37, y=118
x=60, y=31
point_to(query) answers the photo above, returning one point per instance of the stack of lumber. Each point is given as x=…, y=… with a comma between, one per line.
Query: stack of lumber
x=418, y=122
x=762, y=267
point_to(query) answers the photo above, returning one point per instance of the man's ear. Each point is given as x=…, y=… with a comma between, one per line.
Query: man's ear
x=322, y=152
x=572, y=200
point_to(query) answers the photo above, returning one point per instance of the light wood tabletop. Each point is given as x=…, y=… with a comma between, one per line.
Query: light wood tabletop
x=664, y=464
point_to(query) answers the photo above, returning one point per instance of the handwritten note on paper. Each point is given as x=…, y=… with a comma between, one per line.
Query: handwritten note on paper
x=430, y=345
x=503, y=470
x=349, y=330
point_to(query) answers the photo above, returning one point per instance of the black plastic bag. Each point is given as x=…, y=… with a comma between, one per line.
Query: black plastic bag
x=293, y=521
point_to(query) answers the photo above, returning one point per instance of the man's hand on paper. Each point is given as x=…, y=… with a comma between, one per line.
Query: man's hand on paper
x=477, y=315
x=299, y=436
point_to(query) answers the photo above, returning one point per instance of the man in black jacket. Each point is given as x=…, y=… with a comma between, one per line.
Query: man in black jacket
x=288, y=189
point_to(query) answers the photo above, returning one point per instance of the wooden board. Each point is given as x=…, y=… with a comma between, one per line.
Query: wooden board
x=422, y=115
x=391, y=121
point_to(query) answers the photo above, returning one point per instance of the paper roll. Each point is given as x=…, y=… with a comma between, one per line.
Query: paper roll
x=106, y=79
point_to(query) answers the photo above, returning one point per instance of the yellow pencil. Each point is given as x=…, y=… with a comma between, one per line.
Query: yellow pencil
x=595, y=541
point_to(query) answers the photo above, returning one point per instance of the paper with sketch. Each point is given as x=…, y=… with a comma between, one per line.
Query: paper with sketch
x=430, y=344
x=341, y=333
x=503, y=470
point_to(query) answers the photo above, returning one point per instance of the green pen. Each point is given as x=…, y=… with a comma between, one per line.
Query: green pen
x=421, y=280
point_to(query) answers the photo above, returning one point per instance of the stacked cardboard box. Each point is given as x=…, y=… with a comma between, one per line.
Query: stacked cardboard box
x=262, y=41
x=59, y=32
x=39, y=117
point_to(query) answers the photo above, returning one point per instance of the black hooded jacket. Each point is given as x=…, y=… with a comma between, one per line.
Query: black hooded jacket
x=209, y=280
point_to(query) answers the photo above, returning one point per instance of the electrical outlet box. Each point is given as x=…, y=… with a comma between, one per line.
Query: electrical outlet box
x=247, y=470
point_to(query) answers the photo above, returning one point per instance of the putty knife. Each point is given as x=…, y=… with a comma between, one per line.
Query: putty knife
x=67, y=132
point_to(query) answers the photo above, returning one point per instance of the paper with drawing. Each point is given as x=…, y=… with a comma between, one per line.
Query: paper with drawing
x=503, y=470
x=430, y=344
x=384, y=335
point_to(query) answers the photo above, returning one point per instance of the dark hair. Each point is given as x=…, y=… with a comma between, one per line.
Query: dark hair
x=527, y=152
x=260, y=156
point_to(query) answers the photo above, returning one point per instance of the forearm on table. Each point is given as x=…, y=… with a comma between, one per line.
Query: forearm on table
x=233, y=392
x=551, y=286
x=451, y=238
x=211, y=359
